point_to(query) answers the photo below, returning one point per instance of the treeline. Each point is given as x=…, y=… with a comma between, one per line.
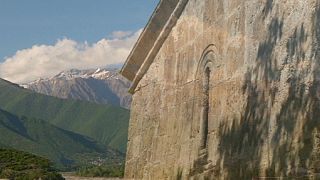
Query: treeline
x=102, y=171
x=21, y=165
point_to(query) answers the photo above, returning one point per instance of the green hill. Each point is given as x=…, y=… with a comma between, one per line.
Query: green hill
x=105, y=123
x=66, y=149
x=21, y=165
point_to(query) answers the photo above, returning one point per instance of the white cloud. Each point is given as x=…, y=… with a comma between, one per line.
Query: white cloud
x=43, y=61
x=121, y=34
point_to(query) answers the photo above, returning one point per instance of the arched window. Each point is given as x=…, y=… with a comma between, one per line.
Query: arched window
x=205, y=108
x=208, y=64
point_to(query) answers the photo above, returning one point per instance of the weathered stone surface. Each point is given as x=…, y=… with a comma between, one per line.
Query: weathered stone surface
x=264, y=90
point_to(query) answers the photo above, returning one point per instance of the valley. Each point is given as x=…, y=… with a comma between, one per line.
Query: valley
x=71, y=133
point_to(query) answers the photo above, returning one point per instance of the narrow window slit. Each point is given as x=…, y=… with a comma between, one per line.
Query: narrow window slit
x=206, y=107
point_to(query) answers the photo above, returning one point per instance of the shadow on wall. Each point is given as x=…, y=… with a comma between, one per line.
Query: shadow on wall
x=293, y=139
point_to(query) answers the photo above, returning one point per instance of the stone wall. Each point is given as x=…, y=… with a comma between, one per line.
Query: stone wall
x=264, y=109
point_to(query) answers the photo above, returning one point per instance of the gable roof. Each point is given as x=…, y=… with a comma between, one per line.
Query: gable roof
x=151, y=39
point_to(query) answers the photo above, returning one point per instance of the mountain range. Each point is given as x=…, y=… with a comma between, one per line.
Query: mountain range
x=64, y=148
x=102, y=85
x=68, y=132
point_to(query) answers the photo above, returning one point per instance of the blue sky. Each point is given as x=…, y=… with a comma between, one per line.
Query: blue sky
x=24, y=23
x=40, y=38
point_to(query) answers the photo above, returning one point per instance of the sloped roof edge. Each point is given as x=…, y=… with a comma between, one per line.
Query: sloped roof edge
x=151, y=39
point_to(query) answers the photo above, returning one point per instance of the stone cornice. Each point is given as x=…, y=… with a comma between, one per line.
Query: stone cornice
x=151, y=40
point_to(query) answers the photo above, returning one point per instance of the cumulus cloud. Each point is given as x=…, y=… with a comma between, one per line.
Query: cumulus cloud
x=43, y=61
x=121, y=34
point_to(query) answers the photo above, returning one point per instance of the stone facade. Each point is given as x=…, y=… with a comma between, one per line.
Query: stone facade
x=232, y=93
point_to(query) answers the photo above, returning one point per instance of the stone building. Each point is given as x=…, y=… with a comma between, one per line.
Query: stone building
x=226, y=89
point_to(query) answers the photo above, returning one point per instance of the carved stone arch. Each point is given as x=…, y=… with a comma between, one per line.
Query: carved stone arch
x=207, y=65
x=209, y=58
x=202, y=130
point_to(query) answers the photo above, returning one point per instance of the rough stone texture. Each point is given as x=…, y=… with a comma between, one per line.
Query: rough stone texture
x=264, y=109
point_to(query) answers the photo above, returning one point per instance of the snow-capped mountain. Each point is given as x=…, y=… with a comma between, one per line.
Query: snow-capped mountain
x=101, y=74
x=102, y=85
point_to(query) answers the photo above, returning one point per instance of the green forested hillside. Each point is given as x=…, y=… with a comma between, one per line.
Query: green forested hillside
x=21, y=165
x=104, y=123
x=66, y=149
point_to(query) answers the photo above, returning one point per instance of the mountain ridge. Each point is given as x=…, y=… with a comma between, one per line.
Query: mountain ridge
x=106, y=124
x=63, y=147
x=101, y=85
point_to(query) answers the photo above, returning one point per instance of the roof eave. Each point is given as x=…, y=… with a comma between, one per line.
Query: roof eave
x=151, y=39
